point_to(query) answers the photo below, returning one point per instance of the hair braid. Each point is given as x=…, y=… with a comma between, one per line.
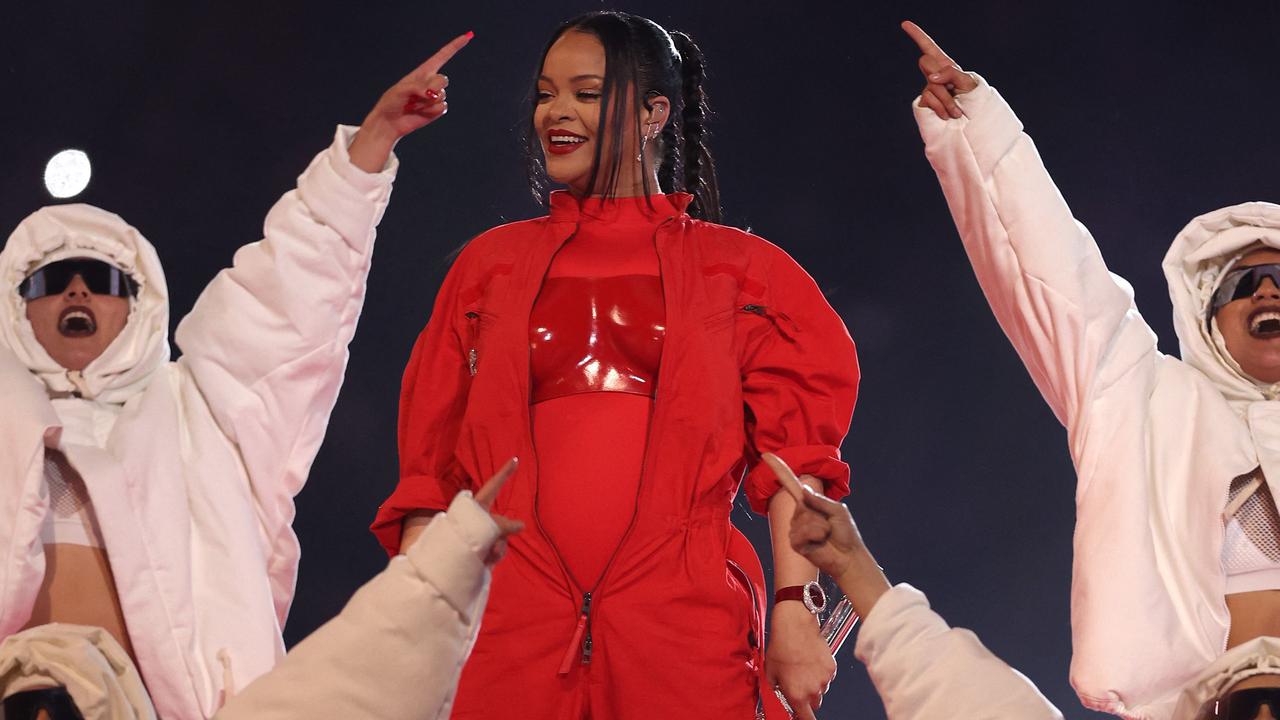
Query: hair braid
x=699, y=176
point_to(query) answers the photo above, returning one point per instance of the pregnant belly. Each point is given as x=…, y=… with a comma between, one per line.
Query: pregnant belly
x=590, y=450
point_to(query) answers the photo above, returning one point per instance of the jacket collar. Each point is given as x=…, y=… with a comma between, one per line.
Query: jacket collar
x=565, y=207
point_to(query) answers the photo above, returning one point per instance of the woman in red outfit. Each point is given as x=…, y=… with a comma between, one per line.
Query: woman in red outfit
x=637, y=358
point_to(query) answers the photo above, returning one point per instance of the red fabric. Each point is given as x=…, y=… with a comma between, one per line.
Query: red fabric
x=590, y=448
x=595, y=345
x=596, y=335
x=754, y=360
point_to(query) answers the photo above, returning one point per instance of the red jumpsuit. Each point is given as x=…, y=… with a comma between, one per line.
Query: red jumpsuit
x=662, y=616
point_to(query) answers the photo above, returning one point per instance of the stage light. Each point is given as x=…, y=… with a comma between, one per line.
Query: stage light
x=67, y=173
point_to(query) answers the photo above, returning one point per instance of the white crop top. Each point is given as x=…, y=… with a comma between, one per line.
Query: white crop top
x=70, y=520
x=1251, y=541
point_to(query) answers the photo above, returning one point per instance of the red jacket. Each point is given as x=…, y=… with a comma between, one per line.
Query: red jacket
x=754, y=360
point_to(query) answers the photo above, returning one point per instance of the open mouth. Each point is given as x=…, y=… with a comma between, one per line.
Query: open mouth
x=77, y=321
x=563, y=141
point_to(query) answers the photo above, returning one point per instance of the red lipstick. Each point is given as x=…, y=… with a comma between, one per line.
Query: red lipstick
x=563, y=142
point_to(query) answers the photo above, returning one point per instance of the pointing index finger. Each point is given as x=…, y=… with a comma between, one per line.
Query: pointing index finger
x=444, y=54
x=786, y=477
x=489, y=492
x=922, y=40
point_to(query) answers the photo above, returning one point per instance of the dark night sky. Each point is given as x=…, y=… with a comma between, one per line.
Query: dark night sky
x=198, y=116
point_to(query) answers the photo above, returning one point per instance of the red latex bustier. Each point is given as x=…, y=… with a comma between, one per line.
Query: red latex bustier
x=596, y=335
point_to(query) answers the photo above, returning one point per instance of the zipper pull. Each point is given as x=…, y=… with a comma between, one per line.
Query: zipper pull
x=587, y=643
x=473, y=356
x=581, y=638
x=773, y=317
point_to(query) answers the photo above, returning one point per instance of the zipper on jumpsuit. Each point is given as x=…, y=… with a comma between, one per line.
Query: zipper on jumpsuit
x=581, y=641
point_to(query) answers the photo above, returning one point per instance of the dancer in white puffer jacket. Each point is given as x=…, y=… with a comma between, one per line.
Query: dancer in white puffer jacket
x=1160, y=444
x=190, y=467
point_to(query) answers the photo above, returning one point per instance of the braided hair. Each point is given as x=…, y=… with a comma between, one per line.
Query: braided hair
x=642, y=61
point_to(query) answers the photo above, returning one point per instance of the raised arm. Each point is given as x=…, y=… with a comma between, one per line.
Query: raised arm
x=922, y=668
x=1073, y=323
x=266, y=344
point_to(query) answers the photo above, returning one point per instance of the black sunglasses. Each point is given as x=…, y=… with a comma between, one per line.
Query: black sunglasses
x=1245, y=704
x=100, y=277
x=1243, y=282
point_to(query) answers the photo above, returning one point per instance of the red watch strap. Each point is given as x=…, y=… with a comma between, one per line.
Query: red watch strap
x=794, y=592
x=816, y=598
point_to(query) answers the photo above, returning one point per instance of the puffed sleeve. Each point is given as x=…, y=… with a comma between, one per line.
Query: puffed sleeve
x=925, y=669
x=266, y=343
x=433, y=397
x=799, y=382
x=396, y=650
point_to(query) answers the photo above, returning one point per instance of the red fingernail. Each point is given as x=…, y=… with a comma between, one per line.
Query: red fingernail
x=431, y=94
x=470, y=34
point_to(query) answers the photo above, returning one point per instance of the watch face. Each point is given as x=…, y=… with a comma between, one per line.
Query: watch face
x=814, y=598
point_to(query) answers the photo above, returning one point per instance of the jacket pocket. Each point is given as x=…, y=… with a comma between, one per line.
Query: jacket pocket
x=748, y=315
x=720, y=319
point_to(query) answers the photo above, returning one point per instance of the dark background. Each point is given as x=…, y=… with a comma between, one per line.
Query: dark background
x=197, y=116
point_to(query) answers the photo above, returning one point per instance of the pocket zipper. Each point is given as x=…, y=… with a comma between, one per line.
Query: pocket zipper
x=777, y=318
x=473, y=355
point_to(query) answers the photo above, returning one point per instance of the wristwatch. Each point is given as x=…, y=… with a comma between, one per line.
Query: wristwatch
x=810, y=593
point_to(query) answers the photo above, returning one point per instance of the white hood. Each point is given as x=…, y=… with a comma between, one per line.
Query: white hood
x=63, y=231
x=1194, y=266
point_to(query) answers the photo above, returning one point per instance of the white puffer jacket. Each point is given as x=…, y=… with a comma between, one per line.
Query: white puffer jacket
x=1156, y=440
x=191, y=465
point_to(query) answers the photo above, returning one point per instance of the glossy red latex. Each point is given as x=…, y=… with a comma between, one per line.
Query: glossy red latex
x=596, y=335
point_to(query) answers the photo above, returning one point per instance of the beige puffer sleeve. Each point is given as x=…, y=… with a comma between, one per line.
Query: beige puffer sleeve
x=396, y=650
x=927, y=670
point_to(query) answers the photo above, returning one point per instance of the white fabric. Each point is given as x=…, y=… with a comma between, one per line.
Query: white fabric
x=1260, y=656
x=191, y=465
x=924, y=669
x=58, y=232
x=87, y=661
x=396, y=650
x=1156, y=441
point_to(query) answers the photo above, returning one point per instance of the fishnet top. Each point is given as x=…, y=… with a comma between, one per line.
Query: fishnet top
x=70, y=519
x=1251, y=543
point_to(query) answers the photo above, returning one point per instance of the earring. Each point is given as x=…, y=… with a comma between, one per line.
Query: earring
x=644, y=142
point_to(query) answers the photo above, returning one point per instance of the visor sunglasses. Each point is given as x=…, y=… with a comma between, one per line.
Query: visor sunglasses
x=1243, y=282
x=1246, y=704
x=100, y=277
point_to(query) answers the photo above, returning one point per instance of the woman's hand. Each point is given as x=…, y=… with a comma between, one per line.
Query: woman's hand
x=417, y=100
x=797, y=661
x=506, y=526
x=823, y=531
x=943, y=77
x=416, y=523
